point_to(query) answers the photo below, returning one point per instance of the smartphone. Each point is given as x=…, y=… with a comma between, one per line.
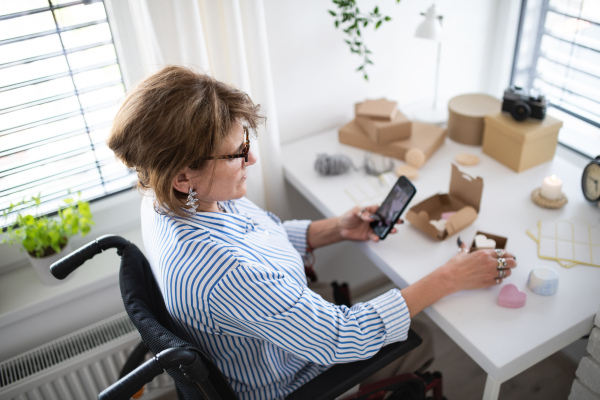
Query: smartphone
x=394, y=204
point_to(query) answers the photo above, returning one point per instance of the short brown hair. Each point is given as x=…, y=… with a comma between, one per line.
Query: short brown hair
x=174, y=119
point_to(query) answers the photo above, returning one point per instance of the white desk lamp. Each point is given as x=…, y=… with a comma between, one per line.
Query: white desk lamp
x=431, y=29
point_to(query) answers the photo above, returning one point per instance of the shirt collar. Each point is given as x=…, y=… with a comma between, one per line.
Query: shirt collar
x=230, y=222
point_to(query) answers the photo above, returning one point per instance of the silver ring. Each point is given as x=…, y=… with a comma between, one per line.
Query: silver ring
x=501, y=263
x=500, y=252
x=497, y=281
x=360, y=213
x=501, y=274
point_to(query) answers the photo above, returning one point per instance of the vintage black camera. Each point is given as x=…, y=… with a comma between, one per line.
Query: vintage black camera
x=522, y=104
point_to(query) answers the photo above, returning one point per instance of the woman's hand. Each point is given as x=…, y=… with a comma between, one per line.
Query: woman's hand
x=356, y=224
x=479, y=269
x=476, y=270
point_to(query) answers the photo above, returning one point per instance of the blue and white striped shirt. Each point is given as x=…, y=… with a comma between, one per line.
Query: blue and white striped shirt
x=235, y=282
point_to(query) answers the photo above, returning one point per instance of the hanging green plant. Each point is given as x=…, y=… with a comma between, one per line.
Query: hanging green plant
x=349, y=18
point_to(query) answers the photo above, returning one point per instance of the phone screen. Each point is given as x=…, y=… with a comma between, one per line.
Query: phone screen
x=393, y=205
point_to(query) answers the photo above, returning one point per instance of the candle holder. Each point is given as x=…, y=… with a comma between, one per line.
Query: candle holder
x=541, y=201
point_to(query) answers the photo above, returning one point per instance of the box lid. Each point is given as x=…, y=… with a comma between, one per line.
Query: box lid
x=524, y=131
x=466, y=188
x=380, y=109
x=475, y=105
x=398, y=119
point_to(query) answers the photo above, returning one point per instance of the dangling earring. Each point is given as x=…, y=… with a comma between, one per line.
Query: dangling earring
x=192, y=201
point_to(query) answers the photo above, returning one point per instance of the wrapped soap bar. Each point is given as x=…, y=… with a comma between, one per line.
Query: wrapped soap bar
x=543, y=280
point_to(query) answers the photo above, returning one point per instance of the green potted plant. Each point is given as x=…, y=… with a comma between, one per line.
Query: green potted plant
x=45, y=238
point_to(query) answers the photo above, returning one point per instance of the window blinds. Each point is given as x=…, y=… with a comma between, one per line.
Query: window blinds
x=60, y=85
x=558, y=53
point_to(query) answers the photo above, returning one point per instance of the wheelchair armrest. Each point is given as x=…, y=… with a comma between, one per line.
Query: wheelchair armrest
x=342, y=377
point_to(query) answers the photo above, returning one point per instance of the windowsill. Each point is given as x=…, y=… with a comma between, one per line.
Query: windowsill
x=32, y=313
x=572, y=156
x=117, y=213
x=22, y=294
x=578, y=135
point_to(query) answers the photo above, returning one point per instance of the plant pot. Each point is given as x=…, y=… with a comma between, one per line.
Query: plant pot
x=42, y=266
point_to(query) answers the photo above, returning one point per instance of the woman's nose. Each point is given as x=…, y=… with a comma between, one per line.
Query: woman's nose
x=251, y=158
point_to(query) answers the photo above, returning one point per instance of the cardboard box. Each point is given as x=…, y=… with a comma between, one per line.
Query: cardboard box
x=500, y=241
x=381, y=130
x=425, y=137
x=464, y=197
x=384, y=132
x=520, y=145
x=465, y=116
x=380, y=109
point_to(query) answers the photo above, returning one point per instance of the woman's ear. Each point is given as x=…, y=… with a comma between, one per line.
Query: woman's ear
x=181, y=182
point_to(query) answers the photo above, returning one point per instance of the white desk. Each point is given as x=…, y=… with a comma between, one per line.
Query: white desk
x=503, y=341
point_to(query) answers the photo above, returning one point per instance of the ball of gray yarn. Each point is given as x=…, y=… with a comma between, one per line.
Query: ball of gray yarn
x=335, y=164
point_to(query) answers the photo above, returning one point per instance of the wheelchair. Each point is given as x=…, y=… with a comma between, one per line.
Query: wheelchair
x=194, y=373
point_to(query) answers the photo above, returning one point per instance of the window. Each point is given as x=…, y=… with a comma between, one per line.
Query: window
x=60, y=86
x=558, y=54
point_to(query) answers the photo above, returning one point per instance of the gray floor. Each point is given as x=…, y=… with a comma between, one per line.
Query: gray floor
x=464, y=379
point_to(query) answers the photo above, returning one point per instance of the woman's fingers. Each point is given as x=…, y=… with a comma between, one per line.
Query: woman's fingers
x=368, y=213
x=480, y=268
x=502, y=264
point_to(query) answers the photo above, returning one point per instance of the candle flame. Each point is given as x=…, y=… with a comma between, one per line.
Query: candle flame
x=553, y=177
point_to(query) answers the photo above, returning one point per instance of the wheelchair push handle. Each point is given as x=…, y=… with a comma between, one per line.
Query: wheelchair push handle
x=63, y=267
x=131, y=383
x=186, y=360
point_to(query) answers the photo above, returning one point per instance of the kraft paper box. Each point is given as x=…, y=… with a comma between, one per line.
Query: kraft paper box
x=384, y=132
x=465, y=116
x=381, y=109
x=520, y=145
x=426, y=137
x=464, y=197
x=500, y=241
x=381, y=130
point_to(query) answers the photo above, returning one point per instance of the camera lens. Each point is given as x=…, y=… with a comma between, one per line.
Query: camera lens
x=520, y=111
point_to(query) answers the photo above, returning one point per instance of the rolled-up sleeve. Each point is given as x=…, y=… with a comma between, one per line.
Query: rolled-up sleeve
x=393, y=311
x=296, y=230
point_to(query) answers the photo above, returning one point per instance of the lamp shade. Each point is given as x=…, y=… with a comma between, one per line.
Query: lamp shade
x=430, y=28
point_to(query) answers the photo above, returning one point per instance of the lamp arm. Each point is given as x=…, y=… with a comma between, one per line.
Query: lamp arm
x=437, y=75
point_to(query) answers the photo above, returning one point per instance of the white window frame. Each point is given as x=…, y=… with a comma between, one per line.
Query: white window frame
x=117, y=212
x=576, y=134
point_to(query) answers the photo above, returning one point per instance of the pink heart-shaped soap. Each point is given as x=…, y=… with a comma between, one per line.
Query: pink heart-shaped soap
x=511, y=297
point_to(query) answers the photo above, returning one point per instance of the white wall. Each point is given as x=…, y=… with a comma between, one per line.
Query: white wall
x=316, y=84
x=313, y=69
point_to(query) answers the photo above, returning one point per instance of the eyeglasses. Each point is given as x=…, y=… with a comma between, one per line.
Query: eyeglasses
x=243, y=154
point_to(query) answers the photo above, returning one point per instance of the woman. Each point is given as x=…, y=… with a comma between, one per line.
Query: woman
x=232, y=274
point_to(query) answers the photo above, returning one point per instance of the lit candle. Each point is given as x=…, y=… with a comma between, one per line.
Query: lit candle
x=551, y=188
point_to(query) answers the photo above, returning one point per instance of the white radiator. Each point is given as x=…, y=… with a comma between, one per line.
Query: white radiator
x=77, y=366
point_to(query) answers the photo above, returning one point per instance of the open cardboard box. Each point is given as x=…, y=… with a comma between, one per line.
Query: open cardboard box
x=500, y=241
x=464, y=197
x=380, y=109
